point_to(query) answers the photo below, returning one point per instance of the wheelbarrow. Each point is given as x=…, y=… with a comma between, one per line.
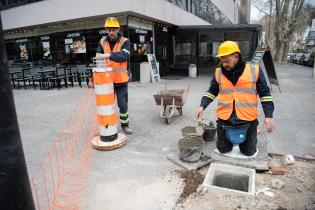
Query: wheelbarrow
x=170, y=101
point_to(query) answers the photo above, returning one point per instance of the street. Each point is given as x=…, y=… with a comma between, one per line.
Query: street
x=138, y=175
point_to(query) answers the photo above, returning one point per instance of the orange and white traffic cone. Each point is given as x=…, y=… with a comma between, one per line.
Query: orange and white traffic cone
x=109, y=138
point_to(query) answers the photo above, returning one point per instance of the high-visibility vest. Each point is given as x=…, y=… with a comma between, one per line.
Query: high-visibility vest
x=243, y=94
x=120, y=72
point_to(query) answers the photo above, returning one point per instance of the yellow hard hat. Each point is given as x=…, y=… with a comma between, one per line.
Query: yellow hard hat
x=111, y=22
x=227, y=48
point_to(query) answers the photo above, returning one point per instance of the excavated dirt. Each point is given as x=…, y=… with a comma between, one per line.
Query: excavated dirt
x=191, y=180
x=298, y=192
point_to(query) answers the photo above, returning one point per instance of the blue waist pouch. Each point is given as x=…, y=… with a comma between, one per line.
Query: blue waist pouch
x=236, y=135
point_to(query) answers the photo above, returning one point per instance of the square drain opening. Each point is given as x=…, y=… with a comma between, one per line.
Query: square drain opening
x=231, y=181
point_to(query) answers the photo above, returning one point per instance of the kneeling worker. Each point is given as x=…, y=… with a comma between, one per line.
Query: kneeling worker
x=116, y=50
x=237, y=85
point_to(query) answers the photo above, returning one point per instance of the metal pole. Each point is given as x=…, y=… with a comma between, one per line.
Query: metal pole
x=15, y=190
x=314, y=70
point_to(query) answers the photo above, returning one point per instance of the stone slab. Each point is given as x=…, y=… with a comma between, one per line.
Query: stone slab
x=260, y=162
x=174, y=157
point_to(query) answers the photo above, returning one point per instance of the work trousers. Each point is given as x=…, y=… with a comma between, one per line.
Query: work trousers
x=248, y=147
x=121, y=92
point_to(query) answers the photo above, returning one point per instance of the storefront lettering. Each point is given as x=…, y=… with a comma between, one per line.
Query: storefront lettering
x=21, y=40
x=44, y=38
x=73, y=35
x=141, y=31
x=101, y=32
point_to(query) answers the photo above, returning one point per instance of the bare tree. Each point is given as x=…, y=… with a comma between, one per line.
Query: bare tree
x=285, y=23
x=286, y=16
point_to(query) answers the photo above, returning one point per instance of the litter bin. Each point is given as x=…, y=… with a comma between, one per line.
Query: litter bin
x=192, y=70
x=145, y=74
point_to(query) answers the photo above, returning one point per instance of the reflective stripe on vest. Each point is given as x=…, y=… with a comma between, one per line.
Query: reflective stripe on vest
x=243, y=93
x=120, y=72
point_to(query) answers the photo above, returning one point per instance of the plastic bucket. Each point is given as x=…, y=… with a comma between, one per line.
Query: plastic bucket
x=209, y=132
x=192, y=70
x=190, y=148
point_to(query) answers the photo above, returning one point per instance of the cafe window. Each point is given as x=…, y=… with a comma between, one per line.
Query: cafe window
x=238, y=36
x=141, y=39
x=206, y=10
x=185, y=50
x=180, y=3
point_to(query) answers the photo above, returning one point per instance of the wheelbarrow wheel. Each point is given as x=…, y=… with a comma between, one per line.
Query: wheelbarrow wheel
x=167, y=112
x=180, y=110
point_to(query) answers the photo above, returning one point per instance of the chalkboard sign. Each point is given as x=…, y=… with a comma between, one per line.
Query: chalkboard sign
x=262, y=56
x=257, y=56
x=153, y=65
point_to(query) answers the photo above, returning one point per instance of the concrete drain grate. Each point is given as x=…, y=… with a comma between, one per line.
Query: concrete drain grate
x=230, y=179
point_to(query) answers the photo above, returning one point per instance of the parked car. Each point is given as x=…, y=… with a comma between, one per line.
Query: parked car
x=309, y=59
x=298, y=58
x=291, y=57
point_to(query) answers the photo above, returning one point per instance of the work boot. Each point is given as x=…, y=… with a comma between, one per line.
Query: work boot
x=127, y=130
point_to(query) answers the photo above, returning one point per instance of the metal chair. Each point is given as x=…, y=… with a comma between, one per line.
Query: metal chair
x=26, y=77
x=83, y=74
x=36, y=77
x=59, y=76
x=15, y=73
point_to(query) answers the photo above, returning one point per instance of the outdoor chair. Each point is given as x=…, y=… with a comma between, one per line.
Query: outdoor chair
x=59, y=76
x=83, y=74
x=15, y=73
x=26, y=77
x=72, y=74
x=36, y=77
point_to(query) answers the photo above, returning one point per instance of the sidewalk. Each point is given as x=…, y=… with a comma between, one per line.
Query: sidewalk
x=138, y=176
x=294, y=112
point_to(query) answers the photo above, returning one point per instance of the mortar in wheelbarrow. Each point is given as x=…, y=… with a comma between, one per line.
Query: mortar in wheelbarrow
x=190, y=148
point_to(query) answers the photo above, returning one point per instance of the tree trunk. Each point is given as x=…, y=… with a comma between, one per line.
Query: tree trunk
x=286, y=46
x=279, y=52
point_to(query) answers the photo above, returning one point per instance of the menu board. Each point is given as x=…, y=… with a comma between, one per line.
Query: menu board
x=263, y=57
x=74, y=43
x=46, y=48
x=153, y=65
x=257, y=56
x=23, y=50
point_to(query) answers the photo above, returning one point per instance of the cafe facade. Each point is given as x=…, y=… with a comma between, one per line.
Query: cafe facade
x=168, y=29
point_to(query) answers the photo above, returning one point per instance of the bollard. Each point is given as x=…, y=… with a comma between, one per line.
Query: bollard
x=105, y=101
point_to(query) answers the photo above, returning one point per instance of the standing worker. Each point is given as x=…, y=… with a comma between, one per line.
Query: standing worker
x=237, y=85
x=114, y=48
